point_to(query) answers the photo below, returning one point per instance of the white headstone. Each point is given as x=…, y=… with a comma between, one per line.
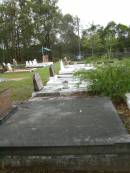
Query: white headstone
x=27, y=64
x=4, y=64
x=62, y=65
x=35, y=61
x=30, y=63
x=9, y=67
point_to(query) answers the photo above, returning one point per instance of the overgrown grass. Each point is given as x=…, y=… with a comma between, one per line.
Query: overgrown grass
x=22, y=89
x=112, y=80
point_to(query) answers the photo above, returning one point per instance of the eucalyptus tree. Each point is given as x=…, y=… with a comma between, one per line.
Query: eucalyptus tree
x=46, y=16
x=110, y=38
x=123, y=37
x=7, y=29
x=92, y=39
x=68, y=33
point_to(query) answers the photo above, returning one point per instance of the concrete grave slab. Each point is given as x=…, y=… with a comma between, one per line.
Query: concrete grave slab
x=64, y=122
x=65, y=76
x=60, y=89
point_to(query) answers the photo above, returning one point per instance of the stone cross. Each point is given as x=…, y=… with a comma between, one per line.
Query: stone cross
x=51, y=71
x=37, y=82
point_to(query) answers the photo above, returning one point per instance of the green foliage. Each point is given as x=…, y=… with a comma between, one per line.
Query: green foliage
x=100, y=59
x=26, y=26
x=112, y=40
x=112, y=80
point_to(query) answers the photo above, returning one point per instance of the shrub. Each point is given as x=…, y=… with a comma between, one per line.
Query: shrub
x=111, y=80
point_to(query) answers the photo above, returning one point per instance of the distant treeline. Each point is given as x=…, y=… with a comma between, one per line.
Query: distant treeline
x=27, y=26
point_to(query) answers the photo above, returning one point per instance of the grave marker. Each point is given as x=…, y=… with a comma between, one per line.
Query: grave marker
x=51, y=71
x=37, y=82
x=9, y=68
x=15, y=62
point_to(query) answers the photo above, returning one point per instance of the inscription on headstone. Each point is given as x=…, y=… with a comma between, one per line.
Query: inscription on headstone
x=37, y=82
x=51, y=71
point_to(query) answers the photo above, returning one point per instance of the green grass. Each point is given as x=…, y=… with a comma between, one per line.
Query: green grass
x=22, y=89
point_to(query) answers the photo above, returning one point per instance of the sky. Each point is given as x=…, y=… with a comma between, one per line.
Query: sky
x=97, y=11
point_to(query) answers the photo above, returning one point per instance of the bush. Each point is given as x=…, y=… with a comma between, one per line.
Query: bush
x=111, y=80
x=100, y=60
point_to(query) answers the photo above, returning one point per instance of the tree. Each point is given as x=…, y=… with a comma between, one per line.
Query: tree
x=91, y=39
x=109, y=37
x=46, y=18
x=68, y=37
x=122, y=37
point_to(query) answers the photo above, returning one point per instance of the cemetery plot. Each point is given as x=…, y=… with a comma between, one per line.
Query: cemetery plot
x=64, y=83
x=64, y=122
x=35, y=64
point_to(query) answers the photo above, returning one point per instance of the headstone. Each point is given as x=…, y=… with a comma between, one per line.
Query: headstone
x=4, y=64
x=4, y=67
x=51, y=71
x=62, y=65
x=30, y=63
x=65, y=61
x=35, y=62
x=15, y=62
x=37, y=82
x=5, y=102
x=27, y=64
x=9, y=68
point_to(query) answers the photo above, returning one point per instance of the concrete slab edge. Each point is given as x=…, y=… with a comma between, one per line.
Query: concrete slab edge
x=4, y=117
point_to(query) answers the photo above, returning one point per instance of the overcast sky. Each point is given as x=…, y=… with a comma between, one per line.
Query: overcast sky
x=98, y=11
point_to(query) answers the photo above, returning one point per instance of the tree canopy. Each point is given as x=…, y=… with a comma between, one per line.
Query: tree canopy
x=28, y=25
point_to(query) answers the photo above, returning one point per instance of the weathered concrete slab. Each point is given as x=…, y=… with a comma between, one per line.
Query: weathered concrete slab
x=58, y=89
x=64, y=122
x=65, y=76
x=69, y=69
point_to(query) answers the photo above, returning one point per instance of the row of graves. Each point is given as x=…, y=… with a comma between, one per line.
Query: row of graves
x=62, y=84
x=35, y=64
x=30, y=66
x=59, y=129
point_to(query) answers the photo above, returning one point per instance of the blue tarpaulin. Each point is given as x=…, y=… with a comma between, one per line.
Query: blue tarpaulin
x=44, y=49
